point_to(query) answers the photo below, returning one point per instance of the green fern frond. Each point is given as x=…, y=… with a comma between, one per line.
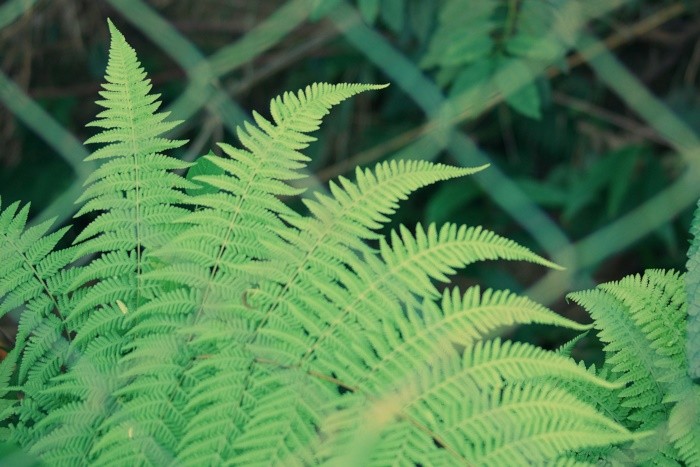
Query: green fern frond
x=138, y=195
x=656, y=303
x=138, y=172
x=428, y=415
x=214, y=324
x=434, y=253
x=684, y=428
x=232, y=225
x=629, y=353
x=692, y=286
x=641, y=319
x=325, y=245
x=32, y=277
x=136, y=191
x=566, y=348
x=404, y=276
x=429, y=331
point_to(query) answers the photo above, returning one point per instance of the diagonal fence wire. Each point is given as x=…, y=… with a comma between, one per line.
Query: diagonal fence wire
x=443, y=112
x=204, y=73
x=664, y=206
x=53, y=133
x=13, y=9
x=443, y=116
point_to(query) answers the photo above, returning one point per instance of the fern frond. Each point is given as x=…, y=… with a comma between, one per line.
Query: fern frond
x=284, y=419
x=136, y=191
x=684, y=426
x=231, y=224
x=214, y=324
x=566, y=348
x=692, y=286
x=244, y=210
x=32, y=277
x=641, y=319
x=426, y=333
x=234, y=223
x=656, y=303
x=450, y=408
x=325, y=245
x=629, y=354
x=434, y=253
x=405, y=275
x=137, y=195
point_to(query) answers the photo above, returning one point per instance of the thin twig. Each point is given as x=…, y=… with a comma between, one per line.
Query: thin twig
x=691, y=73
x=613, y=41
x=434, y=436
x=626, y=34
x=618, y=120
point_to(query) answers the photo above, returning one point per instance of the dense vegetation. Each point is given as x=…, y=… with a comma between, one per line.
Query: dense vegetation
x=590, y=156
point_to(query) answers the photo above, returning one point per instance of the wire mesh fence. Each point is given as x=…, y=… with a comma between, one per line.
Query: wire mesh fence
x=439, y=131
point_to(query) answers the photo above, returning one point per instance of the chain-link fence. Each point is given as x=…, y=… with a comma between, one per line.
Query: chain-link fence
x=442, y=129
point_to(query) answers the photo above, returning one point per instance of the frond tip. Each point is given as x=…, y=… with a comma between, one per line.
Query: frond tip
x=213, y=323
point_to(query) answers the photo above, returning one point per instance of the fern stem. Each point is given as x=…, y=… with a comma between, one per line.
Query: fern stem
x=512, y=19
x=437, y=439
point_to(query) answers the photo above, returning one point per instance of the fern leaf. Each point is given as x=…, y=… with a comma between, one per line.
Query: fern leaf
x=242, y=210
x=137, y=195
x=692, y=285
x=214, y=324
x=641, y=320
x=431, y=410
x=325, y=244
x=430, y=331
x=31, y=278
x=406, y=270
x=684, y=427
x=135, y=190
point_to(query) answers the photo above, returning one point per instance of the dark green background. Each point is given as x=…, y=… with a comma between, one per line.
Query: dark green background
x=593, y=149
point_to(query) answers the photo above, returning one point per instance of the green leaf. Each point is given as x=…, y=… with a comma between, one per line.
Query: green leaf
x=466, y=49
x=369, y=9
x=523, y=99
x=538, y=48
x=203, y=166
x=473, y=78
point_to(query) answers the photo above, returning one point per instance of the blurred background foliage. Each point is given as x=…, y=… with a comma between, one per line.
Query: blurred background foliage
x=587, y=111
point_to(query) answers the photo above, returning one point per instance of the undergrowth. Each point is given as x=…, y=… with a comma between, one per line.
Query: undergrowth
x=200, y=320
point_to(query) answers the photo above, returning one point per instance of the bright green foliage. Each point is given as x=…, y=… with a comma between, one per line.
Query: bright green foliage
x=642, y=322
x=213, y=325
x=32, y=279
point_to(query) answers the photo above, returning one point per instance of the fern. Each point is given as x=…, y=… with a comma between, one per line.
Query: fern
x=642, y=322
x=692, y=281
x=212, y=324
